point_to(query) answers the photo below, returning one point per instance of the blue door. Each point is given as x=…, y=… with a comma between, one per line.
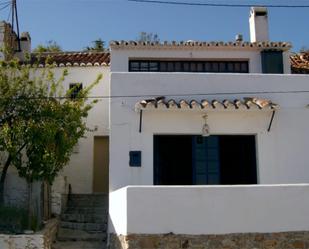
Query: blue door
x=205, y=160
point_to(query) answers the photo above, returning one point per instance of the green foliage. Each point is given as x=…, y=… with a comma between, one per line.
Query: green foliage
x=51, y=46
x=98, y=45
x=39, y=123
x=148, y=37
x=13, y=220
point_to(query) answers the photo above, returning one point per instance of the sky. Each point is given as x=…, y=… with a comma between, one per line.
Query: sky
x=74, y=24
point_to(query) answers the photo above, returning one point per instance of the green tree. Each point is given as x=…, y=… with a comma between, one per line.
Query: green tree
x=39, y=123
x=98, y=45
x=50, y=46
x=148, y=37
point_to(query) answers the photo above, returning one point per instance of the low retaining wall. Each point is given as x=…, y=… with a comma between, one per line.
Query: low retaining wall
x=214, y=209
x=286, y=240
x=40, y=240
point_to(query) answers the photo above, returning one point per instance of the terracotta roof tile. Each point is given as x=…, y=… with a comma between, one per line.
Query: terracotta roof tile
x=300, y=63
x=238, y=104
x=63, y=59
x=199, y=45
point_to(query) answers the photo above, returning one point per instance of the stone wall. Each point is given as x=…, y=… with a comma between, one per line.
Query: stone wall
x=15, y=191
x=284, y=240
x=40, y=240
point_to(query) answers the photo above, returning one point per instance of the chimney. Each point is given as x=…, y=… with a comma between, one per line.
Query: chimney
x=25, y=42
x=258, y=21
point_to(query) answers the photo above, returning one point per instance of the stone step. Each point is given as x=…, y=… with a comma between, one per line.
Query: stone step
x=88, y=197
x=66, y=234
x=87, y=204
x=93, y=227
x=89, y=217
x=86, y=210
x=78, y=245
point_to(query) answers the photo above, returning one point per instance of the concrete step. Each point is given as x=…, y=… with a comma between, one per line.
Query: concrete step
x=66, y=234
x=91, y=203
x=93, y=227
x=78, y=245
x=89, y=217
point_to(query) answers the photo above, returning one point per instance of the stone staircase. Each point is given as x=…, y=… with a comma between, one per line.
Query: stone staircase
x=84, y=223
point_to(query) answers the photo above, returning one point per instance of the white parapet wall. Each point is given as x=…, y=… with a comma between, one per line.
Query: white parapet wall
x=282, y=152
x=197, y=210
x=118, y=211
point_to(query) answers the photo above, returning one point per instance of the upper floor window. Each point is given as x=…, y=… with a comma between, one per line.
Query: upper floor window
x=75, y=88
x=272, y=62
x=189, y=66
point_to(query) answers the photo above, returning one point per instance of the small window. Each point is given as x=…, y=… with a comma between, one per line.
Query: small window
x=178, y=67
x=230, y=67
x=237, y=67
x=189, y=66
x=153, y=66
x=163, y=66
x=215, y=67
x=200, y=67
x=170, y=66
x=75, y=89
x=222, y=67
x=144, y=67
x=272, y=62
x=134, y=66
x=244, y=67
x=186, y=67
x=192, y=67
x=207, y=67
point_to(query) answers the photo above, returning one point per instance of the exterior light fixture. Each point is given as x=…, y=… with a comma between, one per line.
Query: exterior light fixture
x=205, y=129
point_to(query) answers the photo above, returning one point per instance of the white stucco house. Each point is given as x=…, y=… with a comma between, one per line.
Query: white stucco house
x=194, y=139
x=208, y=138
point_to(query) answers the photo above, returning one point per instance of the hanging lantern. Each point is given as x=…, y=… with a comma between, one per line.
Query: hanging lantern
x=205, y=129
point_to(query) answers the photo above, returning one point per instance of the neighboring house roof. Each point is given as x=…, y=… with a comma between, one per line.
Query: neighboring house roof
x=238, y=104
x=199, y=45
x=64, y=59
x=300, y=63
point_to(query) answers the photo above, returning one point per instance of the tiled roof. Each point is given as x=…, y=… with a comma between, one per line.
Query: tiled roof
x=198, y=45
x=161, y=103
x=300, y=63
x=63, y=59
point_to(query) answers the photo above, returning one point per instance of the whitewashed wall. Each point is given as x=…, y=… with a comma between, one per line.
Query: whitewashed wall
x=199, y=210
x=282, y=153
x=120, y=58
x=79, y=172
x=118, y=213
